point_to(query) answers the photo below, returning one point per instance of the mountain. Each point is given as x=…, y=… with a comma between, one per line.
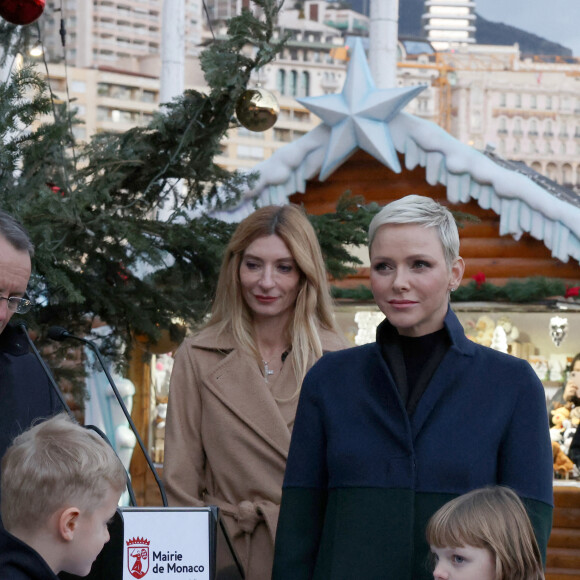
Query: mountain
x=487, y=32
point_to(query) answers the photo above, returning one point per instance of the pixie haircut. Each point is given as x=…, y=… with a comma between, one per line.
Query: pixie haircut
x=15, y=234
x=492, y=518
x=423, y=211
x=313, y=307
x=53, y=465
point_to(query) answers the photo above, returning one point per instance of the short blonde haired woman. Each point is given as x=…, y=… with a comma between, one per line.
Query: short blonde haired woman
x=387, y=432
x=235, y=385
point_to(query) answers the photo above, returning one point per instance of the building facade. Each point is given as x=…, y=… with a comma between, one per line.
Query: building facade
x=526, y=110
x=449, y=23
x=122, y=34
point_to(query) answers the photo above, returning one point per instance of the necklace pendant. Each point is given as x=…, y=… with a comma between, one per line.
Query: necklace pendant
x=267, y=371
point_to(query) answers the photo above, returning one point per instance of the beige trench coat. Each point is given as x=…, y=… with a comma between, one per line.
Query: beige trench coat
x=227, y=438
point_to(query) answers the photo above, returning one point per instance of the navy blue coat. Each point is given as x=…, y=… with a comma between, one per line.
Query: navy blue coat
x=363, y=478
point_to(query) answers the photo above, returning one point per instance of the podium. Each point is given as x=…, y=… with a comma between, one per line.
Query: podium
x=158, y=543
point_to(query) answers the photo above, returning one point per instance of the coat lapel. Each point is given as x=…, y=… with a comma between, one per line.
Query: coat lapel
x=237, y=383
x=447, y=377
x=242, y=389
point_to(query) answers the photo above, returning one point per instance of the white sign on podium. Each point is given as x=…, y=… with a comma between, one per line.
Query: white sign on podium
x=162, y=543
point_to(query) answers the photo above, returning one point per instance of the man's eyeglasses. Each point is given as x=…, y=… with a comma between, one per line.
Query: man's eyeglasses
x=18, y=305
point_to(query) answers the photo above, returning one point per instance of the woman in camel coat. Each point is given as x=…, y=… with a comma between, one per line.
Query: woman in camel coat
x=235, y=385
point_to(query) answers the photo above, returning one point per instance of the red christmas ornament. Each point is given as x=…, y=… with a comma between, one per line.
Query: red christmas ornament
x=21, y=11
x=55, y=188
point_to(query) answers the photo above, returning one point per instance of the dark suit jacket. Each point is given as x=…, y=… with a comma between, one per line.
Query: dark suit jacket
x=25, y=392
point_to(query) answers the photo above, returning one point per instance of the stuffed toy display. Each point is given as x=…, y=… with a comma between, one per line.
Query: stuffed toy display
x=563, y=465
x=560, y=421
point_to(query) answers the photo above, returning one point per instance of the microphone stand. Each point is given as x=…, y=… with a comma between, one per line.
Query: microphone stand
x=58, y=333
x=24, y=330
x=22, y=326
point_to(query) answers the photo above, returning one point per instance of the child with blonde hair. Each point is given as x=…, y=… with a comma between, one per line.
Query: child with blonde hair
x=484, y=535
x=60, y=487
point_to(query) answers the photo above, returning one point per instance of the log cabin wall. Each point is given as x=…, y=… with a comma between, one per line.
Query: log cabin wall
x=483, y=249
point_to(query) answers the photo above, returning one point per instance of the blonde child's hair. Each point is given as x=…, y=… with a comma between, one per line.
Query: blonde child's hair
x=493, y=518
x=56, y=464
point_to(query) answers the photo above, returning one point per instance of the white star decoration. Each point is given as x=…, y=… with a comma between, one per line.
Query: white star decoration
x=359, y=116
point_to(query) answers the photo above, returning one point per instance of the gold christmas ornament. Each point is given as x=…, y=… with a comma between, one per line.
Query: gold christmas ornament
x=257, y=109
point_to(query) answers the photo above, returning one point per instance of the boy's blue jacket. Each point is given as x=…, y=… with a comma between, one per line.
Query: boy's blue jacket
x=363, y=478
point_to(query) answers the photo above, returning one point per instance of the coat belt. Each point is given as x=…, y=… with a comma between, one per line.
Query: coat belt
x=248, y=514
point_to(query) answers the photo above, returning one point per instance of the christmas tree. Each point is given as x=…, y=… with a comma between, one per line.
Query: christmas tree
x=92, y=208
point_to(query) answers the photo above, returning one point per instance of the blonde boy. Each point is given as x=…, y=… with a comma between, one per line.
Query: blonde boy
x=60, y=487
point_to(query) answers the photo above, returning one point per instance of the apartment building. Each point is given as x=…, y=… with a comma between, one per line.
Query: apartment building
x=449, y=23
x=336, y=15
x=527, y=110
x=124, y=34
x=105, y=100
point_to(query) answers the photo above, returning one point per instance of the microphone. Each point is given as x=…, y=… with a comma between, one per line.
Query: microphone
x=59, y=333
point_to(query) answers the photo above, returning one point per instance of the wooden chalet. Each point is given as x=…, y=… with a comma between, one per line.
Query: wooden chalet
x=529, y=225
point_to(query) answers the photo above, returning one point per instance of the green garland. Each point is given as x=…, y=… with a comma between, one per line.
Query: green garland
x=516, y=291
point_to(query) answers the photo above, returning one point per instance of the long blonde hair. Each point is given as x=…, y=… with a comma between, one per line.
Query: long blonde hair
x=313, y=307
x=492, y=518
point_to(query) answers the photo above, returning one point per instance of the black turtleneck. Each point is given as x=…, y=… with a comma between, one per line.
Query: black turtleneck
x=412, y=360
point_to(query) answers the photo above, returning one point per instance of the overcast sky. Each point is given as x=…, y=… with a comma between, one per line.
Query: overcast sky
x=556, y=20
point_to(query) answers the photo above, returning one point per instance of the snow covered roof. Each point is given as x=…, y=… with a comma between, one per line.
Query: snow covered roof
x=361, y=115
